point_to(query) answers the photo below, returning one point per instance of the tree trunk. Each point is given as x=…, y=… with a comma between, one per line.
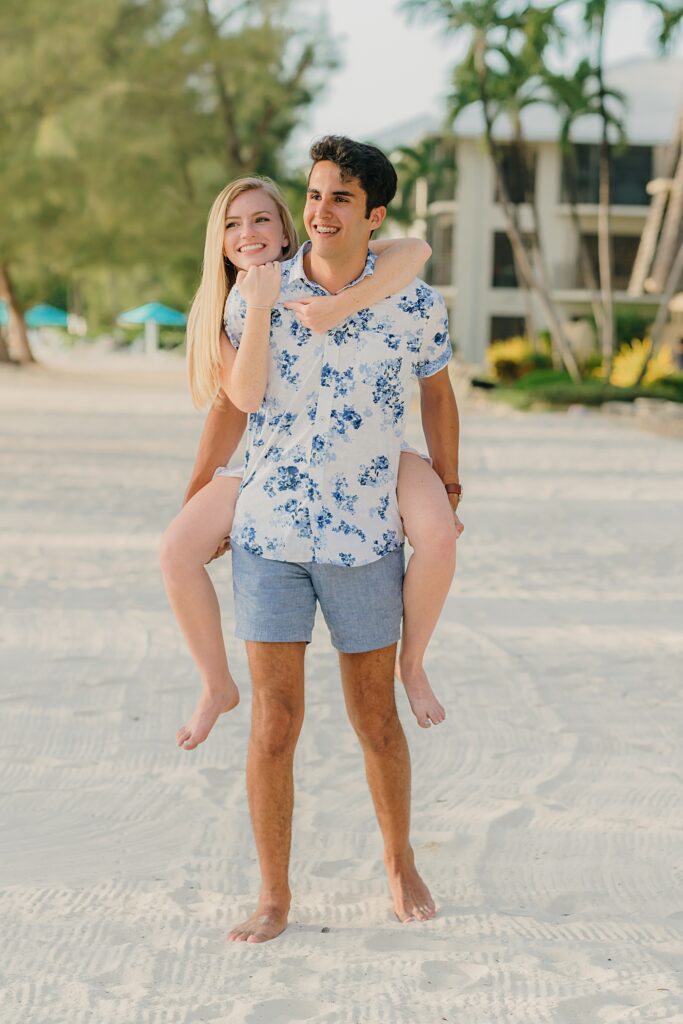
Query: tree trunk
x=604, y=240
x=587, y=271
x=16, y=330
x=4, y=351
x=528, y=187
x=643, y=268
x=523, y=262
x=513, y=230
x=605, y=260
x=533, y=280
x=530, y=325
x=672, y=284
x=671, y=230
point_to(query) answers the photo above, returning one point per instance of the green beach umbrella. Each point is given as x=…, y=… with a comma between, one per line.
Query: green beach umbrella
x=152, y=315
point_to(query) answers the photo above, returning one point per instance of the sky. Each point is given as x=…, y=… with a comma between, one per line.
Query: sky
x=393, y=69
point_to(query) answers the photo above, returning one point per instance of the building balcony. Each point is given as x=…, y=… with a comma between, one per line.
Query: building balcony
x=590, y=211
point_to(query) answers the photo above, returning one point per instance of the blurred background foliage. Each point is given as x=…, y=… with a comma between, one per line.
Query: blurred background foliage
x=120, y=122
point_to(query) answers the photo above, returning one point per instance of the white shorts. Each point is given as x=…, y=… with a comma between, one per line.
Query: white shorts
x=238, y=471
x=233, y=471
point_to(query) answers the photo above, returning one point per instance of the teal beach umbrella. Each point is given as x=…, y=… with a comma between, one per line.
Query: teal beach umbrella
x=46, y=316
x=156, y=313
x=153, y=315
x=38, y=316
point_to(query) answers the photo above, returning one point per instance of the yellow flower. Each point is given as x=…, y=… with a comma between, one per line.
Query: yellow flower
x=513, y=352
x=628, y=362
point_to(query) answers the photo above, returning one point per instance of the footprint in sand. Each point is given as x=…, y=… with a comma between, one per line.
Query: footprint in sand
x=442, y=976
x=282, y=1011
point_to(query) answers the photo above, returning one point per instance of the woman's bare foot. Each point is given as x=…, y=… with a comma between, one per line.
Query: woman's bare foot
x=423, y=702
x=267, y=922
x=411, y=898
x=203, y=719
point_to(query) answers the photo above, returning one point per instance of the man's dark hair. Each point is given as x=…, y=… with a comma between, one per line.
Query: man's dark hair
x=368, y=164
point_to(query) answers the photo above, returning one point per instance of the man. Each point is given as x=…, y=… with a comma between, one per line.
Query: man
x=317, y=517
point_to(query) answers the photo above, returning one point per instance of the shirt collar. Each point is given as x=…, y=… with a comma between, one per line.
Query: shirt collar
x=297, y=272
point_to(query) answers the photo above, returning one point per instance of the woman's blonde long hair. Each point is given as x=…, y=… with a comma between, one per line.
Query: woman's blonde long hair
x=218, y=276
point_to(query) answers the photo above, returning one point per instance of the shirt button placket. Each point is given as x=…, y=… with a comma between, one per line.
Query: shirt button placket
x=323, y=419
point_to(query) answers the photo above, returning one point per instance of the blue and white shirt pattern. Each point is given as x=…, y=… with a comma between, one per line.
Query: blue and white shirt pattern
x=322, y=454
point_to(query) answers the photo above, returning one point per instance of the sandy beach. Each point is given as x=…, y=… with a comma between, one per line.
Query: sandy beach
x=547, y=808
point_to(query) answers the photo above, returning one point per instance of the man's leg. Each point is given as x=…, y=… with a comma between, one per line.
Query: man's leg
x=368, y=681
x=277, y=673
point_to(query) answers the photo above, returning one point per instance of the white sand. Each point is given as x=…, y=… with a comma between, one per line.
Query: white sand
x=547, y=810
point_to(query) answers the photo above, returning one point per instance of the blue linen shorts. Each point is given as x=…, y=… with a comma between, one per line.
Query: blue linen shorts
x=275, y=601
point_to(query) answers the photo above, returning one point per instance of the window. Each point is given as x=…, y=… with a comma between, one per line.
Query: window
x=503, y=327
x=519, y=173
x=631, y=172
x=624, y=249
x=504, y=272
x=440, y=237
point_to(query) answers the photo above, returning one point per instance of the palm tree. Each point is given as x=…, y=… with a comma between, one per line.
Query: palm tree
x=575, y=97
x=426, y=161
x=483, y=78
x=595, y=17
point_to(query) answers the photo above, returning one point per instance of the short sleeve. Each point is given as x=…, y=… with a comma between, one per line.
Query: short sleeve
x=234, y=315
x=435, y=349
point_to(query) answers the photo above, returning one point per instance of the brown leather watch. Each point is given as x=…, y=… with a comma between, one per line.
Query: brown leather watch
x=454, y=489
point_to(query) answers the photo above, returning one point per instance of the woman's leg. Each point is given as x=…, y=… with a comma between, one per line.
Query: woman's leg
x=428, y=522
x=187, y=545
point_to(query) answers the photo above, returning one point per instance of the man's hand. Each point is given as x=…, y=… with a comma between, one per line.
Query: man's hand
x=319, y=313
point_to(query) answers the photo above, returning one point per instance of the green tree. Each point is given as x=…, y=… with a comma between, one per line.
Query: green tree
x=120, y=122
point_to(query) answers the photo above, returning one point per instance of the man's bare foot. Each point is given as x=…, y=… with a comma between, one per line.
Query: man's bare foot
x=203, y=719
x=423, y=702
x=267, y=922
x=411, y=897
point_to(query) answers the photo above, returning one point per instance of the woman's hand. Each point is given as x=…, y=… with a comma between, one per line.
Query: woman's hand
x=220, y=550
x=319, y=313
x=454, y=501
x=260, y=286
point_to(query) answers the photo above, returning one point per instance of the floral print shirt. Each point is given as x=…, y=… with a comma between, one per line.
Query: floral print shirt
x=322, y=454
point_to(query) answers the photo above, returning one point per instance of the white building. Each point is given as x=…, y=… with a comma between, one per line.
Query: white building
x=472, y=263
